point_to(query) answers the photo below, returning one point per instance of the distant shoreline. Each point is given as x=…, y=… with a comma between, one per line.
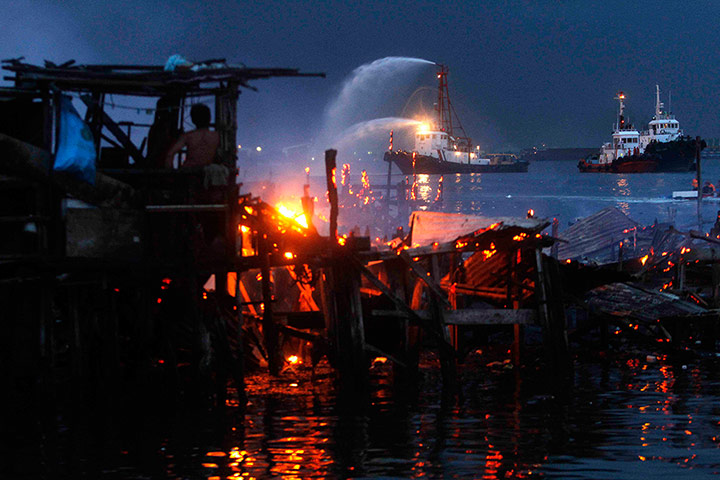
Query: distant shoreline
x=558, y=154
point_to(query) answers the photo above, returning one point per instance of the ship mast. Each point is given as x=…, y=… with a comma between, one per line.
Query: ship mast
x=443, y=104
x=658, y=104
x=445, y=111
x=621, y=120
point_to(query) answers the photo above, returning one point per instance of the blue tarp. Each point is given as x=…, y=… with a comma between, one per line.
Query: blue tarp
x=76, y=148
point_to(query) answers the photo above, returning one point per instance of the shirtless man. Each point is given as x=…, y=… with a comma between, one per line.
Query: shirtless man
x=202, y=143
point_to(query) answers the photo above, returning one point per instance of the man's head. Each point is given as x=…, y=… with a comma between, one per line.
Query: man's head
x=200, y=115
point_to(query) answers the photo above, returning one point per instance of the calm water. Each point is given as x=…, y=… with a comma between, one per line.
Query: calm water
x=619, y=417
x=557, y=189
x=624, y=418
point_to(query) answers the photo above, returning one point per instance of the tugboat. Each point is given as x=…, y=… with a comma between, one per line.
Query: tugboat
x=438, y=150
x=660, y=148
x=665, y=139
x=623, y=154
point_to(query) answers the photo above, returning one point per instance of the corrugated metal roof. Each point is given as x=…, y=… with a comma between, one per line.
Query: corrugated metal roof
x=598, y=236
x=430, y=227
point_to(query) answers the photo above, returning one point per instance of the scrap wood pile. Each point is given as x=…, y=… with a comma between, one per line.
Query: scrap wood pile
x=646, y=281
x=634, y=309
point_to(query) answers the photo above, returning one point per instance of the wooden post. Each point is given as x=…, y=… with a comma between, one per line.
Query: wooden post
x=541, y=295
x=716, y=284
x=330, y=170
x=270, y=332
x=397, y=280
x=240, y=347
x=77, y=344
x=680, y=284
x=699, y=183
x=447, y=357
x=514, y=304
x=554, y=248
x=350, y=333
x=387, y=192
x=552, y=313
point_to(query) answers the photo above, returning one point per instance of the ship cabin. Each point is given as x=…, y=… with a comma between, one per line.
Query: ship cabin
x=625, y=142
x=663, y=128
x=442, y=145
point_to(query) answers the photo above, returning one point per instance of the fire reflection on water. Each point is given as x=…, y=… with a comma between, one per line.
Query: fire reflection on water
x=637, y=410
x=506, y=423
x=424, y=190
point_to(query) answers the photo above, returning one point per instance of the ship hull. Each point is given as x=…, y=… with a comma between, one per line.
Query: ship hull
x=432, y=166
x=633, y=164
x=675, y=156
x=659, y=157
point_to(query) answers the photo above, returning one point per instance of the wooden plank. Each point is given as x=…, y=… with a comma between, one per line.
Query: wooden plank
x=219, y=207
x=473, y=316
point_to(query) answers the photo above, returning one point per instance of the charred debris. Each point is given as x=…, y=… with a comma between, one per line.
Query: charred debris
x=150, y=278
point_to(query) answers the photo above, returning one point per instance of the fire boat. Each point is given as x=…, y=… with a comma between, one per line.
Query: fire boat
x=443, y=147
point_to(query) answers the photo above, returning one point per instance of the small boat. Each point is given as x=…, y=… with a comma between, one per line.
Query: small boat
x=440, y=150
x=692, y=195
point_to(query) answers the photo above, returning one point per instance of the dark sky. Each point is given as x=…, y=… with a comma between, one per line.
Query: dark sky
x=521, y=73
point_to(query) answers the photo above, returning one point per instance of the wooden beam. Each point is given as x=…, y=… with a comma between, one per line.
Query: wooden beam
x=399, y=304
x=424, y=275
x=305, y=290
x=473, y=316
x=115, y=129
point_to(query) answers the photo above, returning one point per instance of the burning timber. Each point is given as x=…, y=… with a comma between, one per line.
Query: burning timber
x=150, y=276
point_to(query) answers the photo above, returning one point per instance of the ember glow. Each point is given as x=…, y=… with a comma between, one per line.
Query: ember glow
x=344, y=174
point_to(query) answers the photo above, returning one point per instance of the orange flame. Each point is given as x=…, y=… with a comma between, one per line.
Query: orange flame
x=289, y=213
